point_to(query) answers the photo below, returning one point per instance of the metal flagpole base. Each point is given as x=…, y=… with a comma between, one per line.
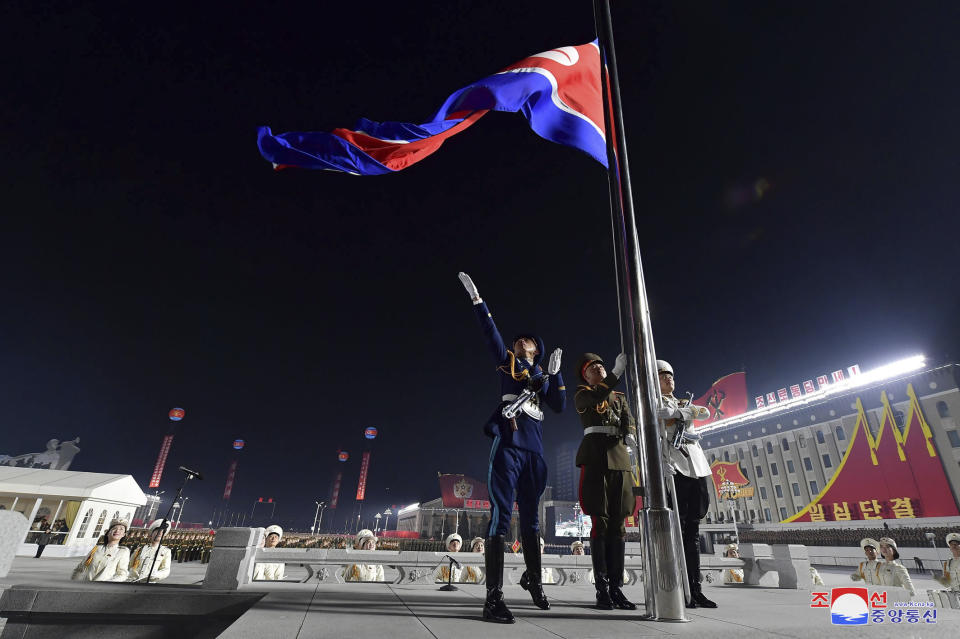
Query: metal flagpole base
x=448, y=587
x=670, y=604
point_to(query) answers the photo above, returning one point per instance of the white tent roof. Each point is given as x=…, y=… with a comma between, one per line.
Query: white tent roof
x=69, y=484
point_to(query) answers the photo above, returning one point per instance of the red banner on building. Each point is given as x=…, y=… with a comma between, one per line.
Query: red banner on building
x=729, y=480
x=161, y=461
x=335, y=496
x=230, y=473
x=455, y=490
x=726, y=398
x=877, y=477
x=364, y=468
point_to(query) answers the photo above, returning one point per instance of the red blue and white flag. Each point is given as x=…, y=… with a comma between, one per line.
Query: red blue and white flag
x=558, y=91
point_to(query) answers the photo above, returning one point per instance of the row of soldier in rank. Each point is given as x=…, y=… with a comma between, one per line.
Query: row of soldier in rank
x=111, y=560
x=184, y=545
x=888, y=571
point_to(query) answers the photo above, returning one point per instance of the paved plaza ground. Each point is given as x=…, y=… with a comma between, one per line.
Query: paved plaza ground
x=386, y=611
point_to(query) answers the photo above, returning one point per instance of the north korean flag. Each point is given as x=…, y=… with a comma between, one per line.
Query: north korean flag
x=558, y=91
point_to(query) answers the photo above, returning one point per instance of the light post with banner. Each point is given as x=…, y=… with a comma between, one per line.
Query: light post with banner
x=387, y=514
x=376, y=529
x=729, y=491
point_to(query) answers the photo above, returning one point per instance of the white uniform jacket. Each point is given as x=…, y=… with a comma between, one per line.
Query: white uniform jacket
x=141, y=560
x=466, y=575
x=951, y=574
x=694, y=463
x=733, y=576
x=892, y=573
x=867, y=572
x=815, y=577
x=104, y=564
x=268, y=572
x=364, y=572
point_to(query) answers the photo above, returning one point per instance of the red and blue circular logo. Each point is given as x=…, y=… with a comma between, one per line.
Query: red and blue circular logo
x=370, y=433
x=238, y=444
x=343, y=455
x=176, y=414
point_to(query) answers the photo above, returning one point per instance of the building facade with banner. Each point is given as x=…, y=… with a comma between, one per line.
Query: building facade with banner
x=887, y=449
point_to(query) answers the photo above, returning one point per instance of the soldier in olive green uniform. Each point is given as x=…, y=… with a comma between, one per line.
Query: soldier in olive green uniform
x=606, y=482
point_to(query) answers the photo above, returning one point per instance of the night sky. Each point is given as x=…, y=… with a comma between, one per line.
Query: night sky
x=153, y=259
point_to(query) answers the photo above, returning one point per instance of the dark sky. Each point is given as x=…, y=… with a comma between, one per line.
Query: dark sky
x=153, y=259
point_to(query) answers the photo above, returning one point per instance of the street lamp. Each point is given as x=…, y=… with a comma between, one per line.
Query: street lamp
x=316, y=525
x=576, y=513
x=183, y=505
x=387, y=514
x=376, y=528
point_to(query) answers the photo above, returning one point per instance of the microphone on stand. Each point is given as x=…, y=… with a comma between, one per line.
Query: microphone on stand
x=192, y=474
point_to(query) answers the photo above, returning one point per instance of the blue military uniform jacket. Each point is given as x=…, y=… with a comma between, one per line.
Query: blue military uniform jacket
x=515, y=374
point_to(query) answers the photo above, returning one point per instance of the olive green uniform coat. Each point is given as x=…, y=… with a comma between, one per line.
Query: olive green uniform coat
x=606, y=480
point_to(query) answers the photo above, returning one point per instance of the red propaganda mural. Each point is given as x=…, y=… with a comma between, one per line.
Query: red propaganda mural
x=460, y=490
x=726, y=398
x=895, y=475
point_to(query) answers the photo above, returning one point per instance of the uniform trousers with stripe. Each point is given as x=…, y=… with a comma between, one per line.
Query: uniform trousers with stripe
x=515, y=470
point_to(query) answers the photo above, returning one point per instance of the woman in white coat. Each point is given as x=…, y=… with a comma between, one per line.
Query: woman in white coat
x=108, y=561
x=951, y=568
x=142, y=559
x=270, y=571
x=891, y=572
x=366, y=540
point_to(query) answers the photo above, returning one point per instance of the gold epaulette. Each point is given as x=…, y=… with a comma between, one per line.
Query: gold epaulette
x=90, y=557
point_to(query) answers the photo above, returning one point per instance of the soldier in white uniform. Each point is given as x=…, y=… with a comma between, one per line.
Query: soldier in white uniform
x=270, y=571
x=690, y=471
x=142, y=558
x=576, y=548
x=891, y=572
x=732, y=575
x=546, y=574
x=951, y=568
x=474, y=574
x=108, y=561
x=442, y=573
x=366, y=540
x=867, y=570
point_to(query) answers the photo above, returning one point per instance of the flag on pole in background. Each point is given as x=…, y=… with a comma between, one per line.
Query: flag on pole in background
x=727, y=397
x=558, y=91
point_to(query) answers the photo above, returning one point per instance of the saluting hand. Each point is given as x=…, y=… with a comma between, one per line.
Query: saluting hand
x=470, y=286
x=553, y=367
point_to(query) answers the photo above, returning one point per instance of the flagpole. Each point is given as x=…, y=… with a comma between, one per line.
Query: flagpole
x=662, y=584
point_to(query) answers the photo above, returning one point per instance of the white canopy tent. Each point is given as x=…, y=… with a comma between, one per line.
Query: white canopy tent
x=87, y=501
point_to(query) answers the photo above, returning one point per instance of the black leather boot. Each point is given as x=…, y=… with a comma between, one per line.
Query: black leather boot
x=598, y=553
x=494, y=609
x=699, y=599
x=616, y=548
x=532, y=578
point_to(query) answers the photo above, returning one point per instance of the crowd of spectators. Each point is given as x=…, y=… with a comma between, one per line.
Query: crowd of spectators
x=906, y=537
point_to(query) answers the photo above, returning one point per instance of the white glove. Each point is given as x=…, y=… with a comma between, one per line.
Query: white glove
x=856, y=576
x=630, y=440
x=669, y=468
x=620, y=365
x=470, y=286
x=553, y=367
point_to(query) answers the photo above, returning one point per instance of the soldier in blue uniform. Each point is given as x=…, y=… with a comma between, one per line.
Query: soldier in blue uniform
x=516, y=456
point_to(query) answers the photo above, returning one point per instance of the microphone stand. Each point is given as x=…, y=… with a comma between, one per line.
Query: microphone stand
x=449, y=585
x=164, y=525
